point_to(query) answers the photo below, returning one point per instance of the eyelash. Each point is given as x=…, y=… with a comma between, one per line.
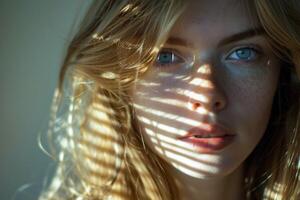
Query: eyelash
x=254, y=50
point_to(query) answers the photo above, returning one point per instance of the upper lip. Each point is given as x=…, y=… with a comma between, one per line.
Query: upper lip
x=215, y=130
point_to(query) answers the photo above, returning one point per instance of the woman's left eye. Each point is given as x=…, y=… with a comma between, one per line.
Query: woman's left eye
x=244, y=54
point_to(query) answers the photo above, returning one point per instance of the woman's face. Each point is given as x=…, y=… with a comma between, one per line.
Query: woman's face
x=205, y=103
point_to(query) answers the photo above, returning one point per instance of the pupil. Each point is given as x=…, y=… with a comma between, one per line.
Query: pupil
x=245, y=53
x=165, y=57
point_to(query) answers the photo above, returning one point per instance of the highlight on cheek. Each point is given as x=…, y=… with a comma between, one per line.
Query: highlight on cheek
x=169, y=116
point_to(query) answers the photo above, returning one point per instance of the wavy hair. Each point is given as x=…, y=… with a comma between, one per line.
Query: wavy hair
x=98, y=150
x=93, y=136
x=277, y=175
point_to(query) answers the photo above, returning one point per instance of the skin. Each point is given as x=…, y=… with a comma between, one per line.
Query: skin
x=212, y=81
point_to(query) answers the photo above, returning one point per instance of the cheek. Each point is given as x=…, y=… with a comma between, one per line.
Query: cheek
x=253, y=94
x=157, y=111
x=253, y=108
x=256, y=97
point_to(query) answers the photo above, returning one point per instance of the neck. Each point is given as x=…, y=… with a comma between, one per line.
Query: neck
x=229, y=187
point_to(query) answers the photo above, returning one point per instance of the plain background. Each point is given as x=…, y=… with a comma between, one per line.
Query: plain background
x=33, y=38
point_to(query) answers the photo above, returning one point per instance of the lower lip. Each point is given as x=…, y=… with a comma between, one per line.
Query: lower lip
x=210, y=145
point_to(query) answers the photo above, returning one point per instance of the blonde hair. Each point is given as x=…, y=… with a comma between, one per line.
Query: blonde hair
x=100, y=153
x=277, y=176
x=95, y=140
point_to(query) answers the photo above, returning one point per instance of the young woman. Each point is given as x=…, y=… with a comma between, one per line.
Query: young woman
x=178, y=100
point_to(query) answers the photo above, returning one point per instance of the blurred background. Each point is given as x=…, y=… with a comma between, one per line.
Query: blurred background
x=33, y=38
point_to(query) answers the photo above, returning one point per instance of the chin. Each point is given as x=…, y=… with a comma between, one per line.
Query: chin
x=208, y=172
x=205, y=174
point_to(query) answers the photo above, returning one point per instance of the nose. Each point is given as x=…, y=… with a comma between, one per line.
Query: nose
x=205, y=93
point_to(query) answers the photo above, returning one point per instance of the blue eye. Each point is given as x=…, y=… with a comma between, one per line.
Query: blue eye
x=244, y=54
x=166, y=58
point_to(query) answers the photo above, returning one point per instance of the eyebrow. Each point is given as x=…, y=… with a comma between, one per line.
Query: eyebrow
x=233, y=38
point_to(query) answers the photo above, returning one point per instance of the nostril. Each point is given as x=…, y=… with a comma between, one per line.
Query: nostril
x=217, y=104
x=196, y=105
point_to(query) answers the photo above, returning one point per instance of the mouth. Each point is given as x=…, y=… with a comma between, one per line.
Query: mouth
x=207, y=136
x=209, y=140
x=214, y=131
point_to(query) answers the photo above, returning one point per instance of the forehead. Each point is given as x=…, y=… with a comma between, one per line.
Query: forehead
x=216, y=9
x=212, y=20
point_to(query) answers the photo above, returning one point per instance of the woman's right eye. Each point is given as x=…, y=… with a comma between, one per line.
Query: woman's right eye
x=167, y=58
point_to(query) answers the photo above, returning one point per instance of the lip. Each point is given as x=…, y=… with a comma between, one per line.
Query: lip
x=211, y=139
